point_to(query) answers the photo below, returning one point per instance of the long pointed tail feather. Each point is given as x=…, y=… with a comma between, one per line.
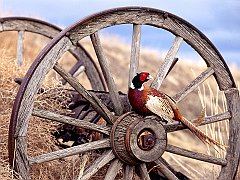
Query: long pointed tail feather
x=198, y=132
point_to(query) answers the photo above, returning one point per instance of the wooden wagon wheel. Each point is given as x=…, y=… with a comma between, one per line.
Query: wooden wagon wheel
x=125, y=129
x=26, y=24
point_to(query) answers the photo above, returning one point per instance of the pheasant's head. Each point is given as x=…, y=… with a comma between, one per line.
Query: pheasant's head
x=139, y=79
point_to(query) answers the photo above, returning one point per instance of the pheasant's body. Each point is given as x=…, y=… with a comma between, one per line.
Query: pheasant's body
x=150, y=97
x=149, y=101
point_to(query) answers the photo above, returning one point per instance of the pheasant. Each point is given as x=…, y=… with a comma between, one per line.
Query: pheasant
x=149, y=101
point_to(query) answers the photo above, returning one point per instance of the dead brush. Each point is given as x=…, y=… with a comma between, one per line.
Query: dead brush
x=52, y=96
x=214, y=102
x=8, y=92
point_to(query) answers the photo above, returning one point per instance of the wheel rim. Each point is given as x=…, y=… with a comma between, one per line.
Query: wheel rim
x=35, y=26
x=172, y=23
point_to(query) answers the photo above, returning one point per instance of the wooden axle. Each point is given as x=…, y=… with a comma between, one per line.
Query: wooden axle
x=135, y=140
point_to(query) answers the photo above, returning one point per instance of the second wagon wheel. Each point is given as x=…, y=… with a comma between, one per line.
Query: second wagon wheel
x=21, y=25
x=125, y=129
x=27, y=27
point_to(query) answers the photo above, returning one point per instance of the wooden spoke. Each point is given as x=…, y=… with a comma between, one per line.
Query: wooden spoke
x=169, y=167
x=73, y=71
x=164, y=170
x=97, y=164
x=22, y=162
x=193, y=85
x=20, y=48
x=143, y=172
x=104, y=143
x=128, y=172
x=79, y=71
x=114, y=168
x=72, y=121
x=216, y=118
x=90, y=68
x=207, y=120
x=168, y=61
x=195, y=155
x=95, y=102
x=107, y=74
x=172, y=66
x=135, y=52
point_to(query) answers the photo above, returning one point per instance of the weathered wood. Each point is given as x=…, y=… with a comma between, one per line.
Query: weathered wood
x=164, y=170
x=36, y=77
x=113, y=169
x=195, y=155
x=128, y=15
x=97, y=164
x=20, y=48
x=118, y=139
x=72, y=121
x=100, y=144
x=30, y=25
x=21, y=163
x=135, y=52
x=205, y=49
x=143, y=172
x=105, y=98
x=79, y=71
x=25, y=98
x=50, y=31
x=175, y=60
x=1, y=27
x=207, y=120
x=128, y=172
x=73, y=70
x=84, y=159
x=193, y=84
x=96, y=104
x=106, y=73
x=136, y=15
x=233, y=152
x=166, y=64
x=95, y=77
x=171, y=168
x=161, y=19
x=133, y=136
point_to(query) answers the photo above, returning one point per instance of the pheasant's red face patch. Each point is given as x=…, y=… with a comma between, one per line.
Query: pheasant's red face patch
x=143, y=76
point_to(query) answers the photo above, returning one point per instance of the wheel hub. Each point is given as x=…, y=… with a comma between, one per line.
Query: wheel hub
x=135, y=140
x=146, y=140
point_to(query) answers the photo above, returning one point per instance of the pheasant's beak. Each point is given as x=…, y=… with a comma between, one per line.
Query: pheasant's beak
x=149, y=77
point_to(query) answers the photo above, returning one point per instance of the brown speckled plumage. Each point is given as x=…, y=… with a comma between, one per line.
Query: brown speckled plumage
x=149, y=101
x=138, y=100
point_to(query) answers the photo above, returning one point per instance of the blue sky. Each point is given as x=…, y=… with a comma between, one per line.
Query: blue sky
x=218, y=20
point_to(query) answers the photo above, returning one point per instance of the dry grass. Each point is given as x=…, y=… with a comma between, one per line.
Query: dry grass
x=214, y=102
x=7, y=94
x=40, y=139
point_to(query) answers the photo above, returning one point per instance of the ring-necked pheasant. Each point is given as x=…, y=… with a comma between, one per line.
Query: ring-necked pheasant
x=149, y=101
